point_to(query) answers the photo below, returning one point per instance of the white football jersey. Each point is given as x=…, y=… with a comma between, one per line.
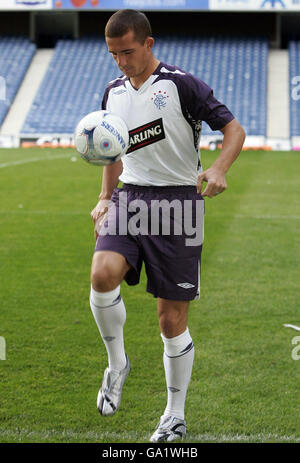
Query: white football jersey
x=164, y=118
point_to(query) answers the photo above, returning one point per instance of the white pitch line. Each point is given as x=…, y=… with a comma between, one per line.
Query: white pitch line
x=267, y=217
x=45, y=157
x=294, y=327
x=37, y=212
x=29, y=212
x=104, y=437
x=256, y=217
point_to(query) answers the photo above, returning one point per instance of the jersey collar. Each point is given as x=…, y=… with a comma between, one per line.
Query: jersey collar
x=147, y=82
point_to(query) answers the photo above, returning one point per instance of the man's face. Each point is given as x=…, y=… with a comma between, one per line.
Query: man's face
x=130, y=55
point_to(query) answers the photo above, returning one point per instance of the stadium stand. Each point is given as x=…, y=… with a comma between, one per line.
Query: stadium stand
x=72, y=87
x=236, y=68
x=294, y=70
x=15, y=57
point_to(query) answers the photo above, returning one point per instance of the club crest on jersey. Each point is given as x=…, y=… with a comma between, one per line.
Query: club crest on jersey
x=160, y=99
x=146, y=135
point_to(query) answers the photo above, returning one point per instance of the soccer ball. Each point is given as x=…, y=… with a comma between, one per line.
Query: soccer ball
x=101, y=138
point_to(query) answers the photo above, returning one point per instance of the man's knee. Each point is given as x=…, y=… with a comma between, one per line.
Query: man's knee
x=172, y=317
x=108, y=270
x=170, y=323
x=100, y=278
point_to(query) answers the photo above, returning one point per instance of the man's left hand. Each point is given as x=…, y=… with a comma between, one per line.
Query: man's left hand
x=216, y=182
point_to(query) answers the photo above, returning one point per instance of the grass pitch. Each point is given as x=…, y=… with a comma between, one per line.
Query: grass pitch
x=244, y=386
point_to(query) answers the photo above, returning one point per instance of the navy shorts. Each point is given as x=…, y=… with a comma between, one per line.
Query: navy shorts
x=162, y=227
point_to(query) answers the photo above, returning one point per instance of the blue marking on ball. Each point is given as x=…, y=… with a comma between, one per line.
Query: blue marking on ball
x=90, y=134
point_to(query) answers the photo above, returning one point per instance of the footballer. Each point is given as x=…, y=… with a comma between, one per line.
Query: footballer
x=163, y=107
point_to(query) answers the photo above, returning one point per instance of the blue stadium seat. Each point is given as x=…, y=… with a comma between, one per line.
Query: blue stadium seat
x=236, y=68
x=15, y=57
x=294, y=74
x=73, y=86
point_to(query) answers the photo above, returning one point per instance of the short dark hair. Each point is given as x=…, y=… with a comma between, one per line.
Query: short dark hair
x=123, y=21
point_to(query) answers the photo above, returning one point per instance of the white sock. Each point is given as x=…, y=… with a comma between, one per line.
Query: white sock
x=110, y=315
x=178, y=362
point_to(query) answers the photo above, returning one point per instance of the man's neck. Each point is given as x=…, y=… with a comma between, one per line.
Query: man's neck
x=138, y=81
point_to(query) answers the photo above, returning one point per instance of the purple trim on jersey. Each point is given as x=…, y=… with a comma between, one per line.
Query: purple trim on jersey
x=197, y=100
x=120, y=81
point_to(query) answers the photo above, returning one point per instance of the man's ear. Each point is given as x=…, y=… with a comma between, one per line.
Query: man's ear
x=149, y=42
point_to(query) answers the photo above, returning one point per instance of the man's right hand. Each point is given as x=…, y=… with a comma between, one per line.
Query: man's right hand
x=99, y=215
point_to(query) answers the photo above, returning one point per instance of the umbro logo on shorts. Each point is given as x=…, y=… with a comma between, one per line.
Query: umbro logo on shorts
x=146, y=135
x=185, y=285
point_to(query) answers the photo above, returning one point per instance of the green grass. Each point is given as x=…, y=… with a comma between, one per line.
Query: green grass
x=244, y=386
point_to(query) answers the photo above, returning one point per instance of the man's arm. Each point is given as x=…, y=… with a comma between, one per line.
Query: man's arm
x=234, y=137
x=110, y=180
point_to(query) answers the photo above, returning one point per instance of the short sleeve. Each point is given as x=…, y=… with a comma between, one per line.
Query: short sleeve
x=104, y=100
x=198, y=100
